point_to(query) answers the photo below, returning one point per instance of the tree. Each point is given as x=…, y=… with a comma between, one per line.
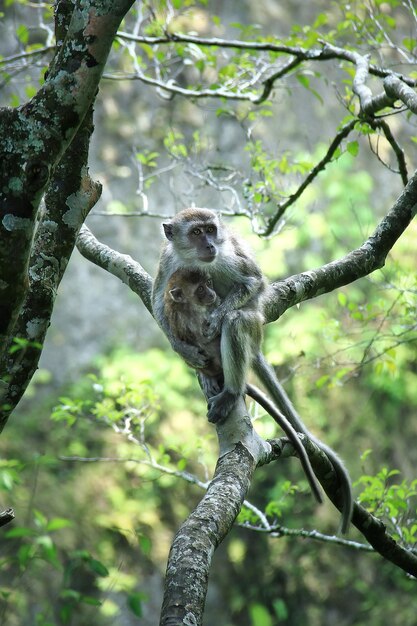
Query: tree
x=45, y=154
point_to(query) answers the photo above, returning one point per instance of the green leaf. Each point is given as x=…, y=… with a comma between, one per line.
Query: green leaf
x=303, y=80
x=182, y=464
x=98, y=567
x=409, y=43
x=145, y=544
x=260, y=615
x=353, y=147
x=134, y=601
x=342, y=298
x=58, y=522
x=48, y=550
x=21, y=531
x=22, y=33
x=322, y=381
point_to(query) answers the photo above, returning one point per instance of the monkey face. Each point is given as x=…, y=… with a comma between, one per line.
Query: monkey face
x=191, y=288
x=203, y=238
x=194, y=234
x=204, y=295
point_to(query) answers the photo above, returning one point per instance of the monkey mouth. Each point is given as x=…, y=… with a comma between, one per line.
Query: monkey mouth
x=207, y=258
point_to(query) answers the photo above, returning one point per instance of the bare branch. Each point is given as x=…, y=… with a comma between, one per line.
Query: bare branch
x=325, y=53
x=320, y=166
x=6, y=517
x=26, y=55
x=367, y=258
x=398, y=151
x=120, y=265
x=278, y=531
x=171, y=87
x=397, y=89
x=369, y=104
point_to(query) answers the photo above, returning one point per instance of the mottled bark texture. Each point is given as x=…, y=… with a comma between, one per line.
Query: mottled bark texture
x=123, y=266
x=44, y=152
x=195, y=542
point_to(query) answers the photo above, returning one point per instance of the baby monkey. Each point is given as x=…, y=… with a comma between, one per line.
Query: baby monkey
x=189, y=300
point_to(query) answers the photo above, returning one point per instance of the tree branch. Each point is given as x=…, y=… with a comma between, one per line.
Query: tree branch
x=6, y=517
x=195, y=542
x=398, y=90
x=371, y=255
x=398, y=151
x=34, y=137
x=325, y=53
x=123, y=266
x=319, y=167
x=369, y=104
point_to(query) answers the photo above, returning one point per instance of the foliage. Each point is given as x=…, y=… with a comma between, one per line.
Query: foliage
x=92, y=545
x=144, y=450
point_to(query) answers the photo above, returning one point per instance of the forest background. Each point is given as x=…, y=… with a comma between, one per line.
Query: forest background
x=106, y=453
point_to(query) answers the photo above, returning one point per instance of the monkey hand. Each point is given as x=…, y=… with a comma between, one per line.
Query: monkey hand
x=192, y=355
x=221, y=405
x=212, y=327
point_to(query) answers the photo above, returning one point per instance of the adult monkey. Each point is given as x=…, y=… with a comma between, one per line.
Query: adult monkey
x=189, y=300
x=197, y=239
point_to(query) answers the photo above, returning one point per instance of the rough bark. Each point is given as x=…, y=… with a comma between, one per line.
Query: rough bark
x=194, y=544
x=44, y=150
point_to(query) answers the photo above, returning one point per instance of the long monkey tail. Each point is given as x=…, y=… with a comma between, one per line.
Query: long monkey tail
x=283, y=422
x=268, y=378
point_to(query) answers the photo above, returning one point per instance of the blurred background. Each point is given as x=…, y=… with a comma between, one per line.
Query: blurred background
x=88, y=458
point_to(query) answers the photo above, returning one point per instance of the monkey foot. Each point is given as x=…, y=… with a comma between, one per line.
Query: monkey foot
x=221, y=405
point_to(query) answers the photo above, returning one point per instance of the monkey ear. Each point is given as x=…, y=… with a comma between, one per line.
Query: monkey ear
x=168, y=230
x=176, y=294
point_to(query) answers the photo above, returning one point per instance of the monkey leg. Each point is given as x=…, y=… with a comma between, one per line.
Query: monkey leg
x=240, y=339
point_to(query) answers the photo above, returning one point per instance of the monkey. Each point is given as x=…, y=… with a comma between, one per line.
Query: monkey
x=197, y=239
x=189, y=297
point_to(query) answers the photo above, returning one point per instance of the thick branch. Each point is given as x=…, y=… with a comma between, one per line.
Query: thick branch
x=369, y=104
x=123, y=266
x=34, y=138
x=194, y=544
x=284, y=294
x=398, y=90
x=376, y=533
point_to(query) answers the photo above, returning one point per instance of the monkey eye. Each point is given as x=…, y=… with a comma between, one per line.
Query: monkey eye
x=200, y=289
x=209, y=282
x=211, y=229
x=196, y=231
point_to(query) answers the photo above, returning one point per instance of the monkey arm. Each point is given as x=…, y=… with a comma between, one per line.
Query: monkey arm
x=243, y=296
x=193, y=355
